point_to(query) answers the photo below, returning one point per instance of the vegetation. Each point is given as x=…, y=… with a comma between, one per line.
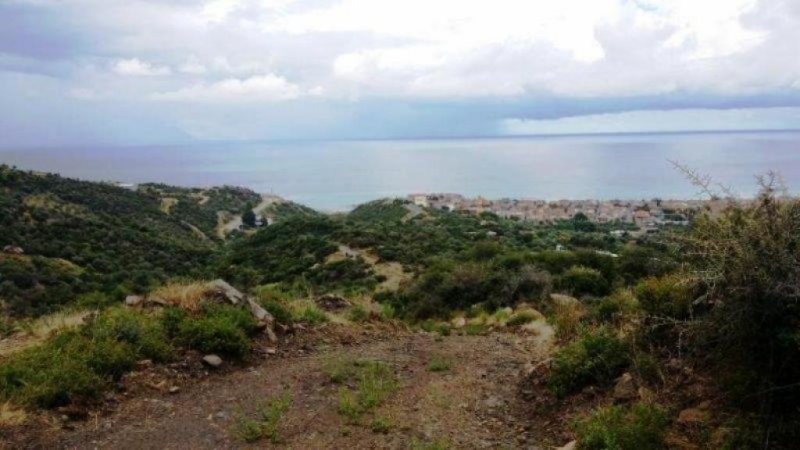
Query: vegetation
x=596, y=357
x=641, y=426
x=266, y=423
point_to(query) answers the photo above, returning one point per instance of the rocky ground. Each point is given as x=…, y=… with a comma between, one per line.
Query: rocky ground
x=474, y=403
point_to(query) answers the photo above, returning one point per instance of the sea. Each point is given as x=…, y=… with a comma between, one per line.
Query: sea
x=337, y=175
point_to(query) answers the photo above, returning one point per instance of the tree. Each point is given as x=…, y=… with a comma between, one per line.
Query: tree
x=249, y=217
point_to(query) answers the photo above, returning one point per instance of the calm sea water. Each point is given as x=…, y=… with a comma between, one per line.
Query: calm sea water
x=336, y=175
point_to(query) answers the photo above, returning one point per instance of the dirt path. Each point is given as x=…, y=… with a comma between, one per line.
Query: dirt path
x=473, y=404
x=226, y=226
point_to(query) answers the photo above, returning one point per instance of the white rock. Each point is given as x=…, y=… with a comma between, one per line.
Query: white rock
x=212, y=360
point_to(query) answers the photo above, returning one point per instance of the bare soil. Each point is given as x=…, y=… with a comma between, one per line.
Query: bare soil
x=476, y=403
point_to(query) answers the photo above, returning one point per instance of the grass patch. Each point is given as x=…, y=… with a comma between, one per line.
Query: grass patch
x=265, y=424
x=521, y=318
x=439, y=444
x=358, y=314
x=221, y=329
x=79, y=364
x=566, y=318
x=641, y=426
x=475, y=329
x=597, y=356
x=374, y=380
x=381, y=425
x=439, y=364
x=311, y=315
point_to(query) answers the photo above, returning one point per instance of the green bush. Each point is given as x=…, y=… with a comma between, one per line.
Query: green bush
x=280, y=312
x=358, y=314
x=521, y=318
x=145, y=335
x=580, y=280
x=617, y=305
x=311, y=315
x=221, y=329
x=79, y=364
x=597, y=356
x=669, y=295
x=639, y=427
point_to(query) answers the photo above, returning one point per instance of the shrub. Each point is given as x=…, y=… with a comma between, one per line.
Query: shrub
x=358, y=314
x=612, y=308
x=375, y=380
x=566, y=317
x=144, y=334
x=669, y=295
x=311, y=314
x=439, y=364
x=597, y=356
x=280, y=312
x=221, y=329
x=580, y=280
x=639, y=427
x=521, y=318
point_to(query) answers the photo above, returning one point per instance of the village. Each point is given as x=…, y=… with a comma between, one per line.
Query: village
x=642, y=213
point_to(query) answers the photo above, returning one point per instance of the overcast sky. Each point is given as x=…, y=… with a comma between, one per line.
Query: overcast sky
x=147, y=71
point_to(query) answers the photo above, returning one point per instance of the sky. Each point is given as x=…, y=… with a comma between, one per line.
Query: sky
x=134, y=72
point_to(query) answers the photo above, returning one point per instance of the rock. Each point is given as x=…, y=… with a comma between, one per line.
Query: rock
x=212, y=360
x=13, y=250
x=569, y=446
x=174, y=389
x=264, y=319
x=144, y=364
x=227, y=292
x=625, y=389
x=134, y=300
x=693, y=416
x=493, y=402
x=646, y=395
x=271, y=351
x=331, y=302
x=157, y=301
x=563, y=300
x=459, y=322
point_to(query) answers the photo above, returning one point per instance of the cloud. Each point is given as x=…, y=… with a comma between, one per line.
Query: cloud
x=137, y=67
x=408, y=68
x=661, y=121
x=263, y=88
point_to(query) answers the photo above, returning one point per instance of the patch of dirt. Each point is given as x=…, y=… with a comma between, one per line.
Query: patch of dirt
x=473, y=404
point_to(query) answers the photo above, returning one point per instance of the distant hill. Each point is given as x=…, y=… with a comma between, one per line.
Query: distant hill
x=81, y=236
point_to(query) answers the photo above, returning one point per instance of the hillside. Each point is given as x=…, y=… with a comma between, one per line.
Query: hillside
x=391, y=326
x=79, y=237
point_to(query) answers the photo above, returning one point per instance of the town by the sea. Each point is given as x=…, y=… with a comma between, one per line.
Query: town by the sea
x=337, y=175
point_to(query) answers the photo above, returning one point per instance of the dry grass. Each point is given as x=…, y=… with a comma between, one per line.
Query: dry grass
x=566, y=317
x=184, y=295
x=167, y=203
x=11, y=415
x=32, y=332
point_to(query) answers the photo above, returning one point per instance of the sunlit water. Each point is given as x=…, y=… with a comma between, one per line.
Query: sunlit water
x=335, y=175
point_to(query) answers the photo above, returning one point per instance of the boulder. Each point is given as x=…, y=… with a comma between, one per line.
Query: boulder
x=225, y=291
x=134, y=300
x=212, y=361
x=331, y=302
x=625, y=389
x=264, y=319
x=569, y=446
x=13, y=250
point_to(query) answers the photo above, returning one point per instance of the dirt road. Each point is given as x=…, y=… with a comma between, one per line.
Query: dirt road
x=473, y=403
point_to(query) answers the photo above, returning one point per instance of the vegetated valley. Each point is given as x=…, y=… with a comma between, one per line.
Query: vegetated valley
x=166, y=317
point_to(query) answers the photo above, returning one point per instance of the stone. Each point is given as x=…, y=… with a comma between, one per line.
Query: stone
x=174, y=389
x=625, y=389
x=134, y=300
x=459, y=322
x=212, y=360
x=493, y=402
x=226, y=291
x=569, y=446
x=331, y=302
x=564, y=300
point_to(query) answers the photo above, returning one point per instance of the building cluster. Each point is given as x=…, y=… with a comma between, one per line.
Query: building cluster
x=643, y=213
